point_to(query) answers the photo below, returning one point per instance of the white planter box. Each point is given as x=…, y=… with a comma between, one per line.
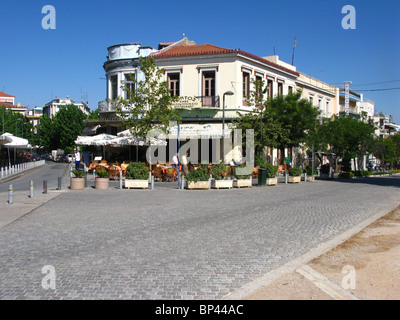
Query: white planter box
x=221, y=184
x=272, y=181
x=310, y=178
x=294, y=179
x=197, y=185
x=135, y=183
x=242, y=183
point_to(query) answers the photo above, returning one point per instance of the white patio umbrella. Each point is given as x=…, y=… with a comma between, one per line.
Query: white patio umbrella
x=4, y=138
x=126, y=138
x=97, y=140
x=15, y=143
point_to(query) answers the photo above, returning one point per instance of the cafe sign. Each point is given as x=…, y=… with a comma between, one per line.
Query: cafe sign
x=187, y=102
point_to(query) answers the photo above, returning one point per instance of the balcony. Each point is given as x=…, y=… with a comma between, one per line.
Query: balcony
x=189, y=102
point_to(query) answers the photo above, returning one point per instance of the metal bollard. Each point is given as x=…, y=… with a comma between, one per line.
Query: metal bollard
x=286, y=178
x=31, y=189
x=152, y=182
x=85, y=177
x=182, y=182
x=59, y=183
x=44, y=186
x=120, y=179
x=10, y=194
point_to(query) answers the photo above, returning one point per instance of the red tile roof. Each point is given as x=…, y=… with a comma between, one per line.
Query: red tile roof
x=209, y=49
x=2, y=94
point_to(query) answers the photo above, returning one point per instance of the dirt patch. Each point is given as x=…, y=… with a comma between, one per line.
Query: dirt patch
x=372, y=257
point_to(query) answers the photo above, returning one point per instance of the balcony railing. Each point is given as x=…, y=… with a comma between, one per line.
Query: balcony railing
x=182, y=103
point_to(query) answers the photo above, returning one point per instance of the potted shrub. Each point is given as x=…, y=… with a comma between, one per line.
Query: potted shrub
x=198, y=178
x=324, y=174
x=137, y=176
x=271, y=172
x=220, y=176
x=240, y=179
x=78, y=181
x=310, y=173
x=294, y=175
x=102, y=180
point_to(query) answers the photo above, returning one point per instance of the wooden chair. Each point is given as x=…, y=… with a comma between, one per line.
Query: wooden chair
x=157, y=172
x=170, y=174
x=114, y=172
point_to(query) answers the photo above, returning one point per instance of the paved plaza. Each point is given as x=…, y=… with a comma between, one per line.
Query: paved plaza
x=168, y=243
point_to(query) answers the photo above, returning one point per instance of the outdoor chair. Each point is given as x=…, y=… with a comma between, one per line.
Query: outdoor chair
x=157, y=172
x=170, y=174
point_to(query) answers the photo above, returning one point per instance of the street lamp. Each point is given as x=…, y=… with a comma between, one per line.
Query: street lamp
x=229, y=93
x=5, y=111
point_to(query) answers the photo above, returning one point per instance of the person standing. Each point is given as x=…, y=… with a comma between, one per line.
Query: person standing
x=175, y=161
x=77, y=157
x=185, y=163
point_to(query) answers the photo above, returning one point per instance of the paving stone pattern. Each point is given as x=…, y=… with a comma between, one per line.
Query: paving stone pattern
x=177, y=244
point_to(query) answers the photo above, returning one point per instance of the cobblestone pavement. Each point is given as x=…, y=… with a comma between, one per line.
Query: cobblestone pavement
x=177, y=244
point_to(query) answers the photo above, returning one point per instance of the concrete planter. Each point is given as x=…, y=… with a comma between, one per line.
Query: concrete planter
x=242, y=183
x=294, y=179
x=77, y=183
x=310, y=178
x=101, y=183
x=136, y=183
x=272, y=181
x=221, y=184
x=197, y=185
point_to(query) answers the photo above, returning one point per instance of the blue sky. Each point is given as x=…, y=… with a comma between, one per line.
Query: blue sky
x=38, y=65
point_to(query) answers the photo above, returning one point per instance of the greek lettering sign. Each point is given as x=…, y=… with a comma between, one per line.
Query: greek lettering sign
x=346, y=85
x=187, y=102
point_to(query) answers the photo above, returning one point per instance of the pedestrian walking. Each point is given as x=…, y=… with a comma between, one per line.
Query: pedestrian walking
x=77, y=157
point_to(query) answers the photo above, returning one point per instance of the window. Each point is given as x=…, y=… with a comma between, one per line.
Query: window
x=208, y=88
x=130, y=85
x=280, y=88
x=290, y=89
x=173, y=84
x=246, y=85
x=311, y=99
x=114, y=87
x=259, y=88
x=270, y=88
x=328, y=109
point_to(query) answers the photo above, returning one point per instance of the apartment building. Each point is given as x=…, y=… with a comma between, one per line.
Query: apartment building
x=52, y=107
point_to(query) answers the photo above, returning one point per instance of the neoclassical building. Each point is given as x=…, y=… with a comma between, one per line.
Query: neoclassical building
x=212, y=84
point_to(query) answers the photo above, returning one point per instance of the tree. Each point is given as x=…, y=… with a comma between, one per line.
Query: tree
x=348, y=137
x=386, y=150
x=149, y=105
x=68, y=124
x=46, y=132
x=280, y=122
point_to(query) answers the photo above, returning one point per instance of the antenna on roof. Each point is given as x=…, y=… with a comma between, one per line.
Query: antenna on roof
x=274, y=52
x=294, y=46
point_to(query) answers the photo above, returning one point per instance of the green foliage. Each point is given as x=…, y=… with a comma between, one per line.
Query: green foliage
x=294, y=172
x=219, y=171
x=271, y=170
x=78, y=173
x=102, y=173
x=198, y=174
x=137, y=171
x=16, y=124
x=237, y=175
x=309, y=170
x=149, y=106
x=61, y=131
x=386, y=149
x=281, y=122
